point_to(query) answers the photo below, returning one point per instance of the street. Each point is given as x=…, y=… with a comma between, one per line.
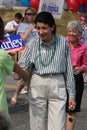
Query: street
x=19, y=112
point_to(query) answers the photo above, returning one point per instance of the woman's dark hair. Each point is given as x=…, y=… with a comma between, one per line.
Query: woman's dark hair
x=1, y=30
x=46, y=18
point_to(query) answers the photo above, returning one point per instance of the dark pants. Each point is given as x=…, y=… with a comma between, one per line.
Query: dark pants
x=79, y=86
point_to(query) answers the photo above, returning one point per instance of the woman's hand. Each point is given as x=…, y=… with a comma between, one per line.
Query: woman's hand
x=77, y=70
x=72, y=104
x=31, y=28
x=16, y=76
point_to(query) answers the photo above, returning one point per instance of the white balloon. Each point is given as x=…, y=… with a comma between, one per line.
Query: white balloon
x=9, y=3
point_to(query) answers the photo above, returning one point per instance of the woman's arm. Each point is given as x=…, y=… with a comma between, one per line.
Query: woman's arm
x=22, y=73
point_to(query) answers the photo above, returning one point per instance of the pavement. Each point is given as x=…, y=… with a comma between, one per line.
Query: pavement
x=19, y=112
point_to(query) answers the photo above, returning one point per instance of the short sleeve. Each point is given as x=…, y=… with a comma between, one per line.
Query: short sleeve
x=6, y=62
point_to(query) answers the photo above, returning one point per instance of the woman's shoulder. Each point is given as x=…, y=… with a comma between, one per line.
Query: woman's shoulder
x=3, y=53
x=82, y=45
x=24, y=24
x=61, y=39
x=33, y=41
x=60, y=36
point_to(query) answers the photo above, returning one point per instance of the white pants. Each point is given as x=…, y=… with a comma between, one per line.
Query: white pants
x=47, y=102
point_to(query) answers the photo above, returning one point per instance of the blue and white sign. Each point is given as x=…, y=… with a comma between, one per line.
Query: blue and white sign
x=12, y=44
x=53, y=6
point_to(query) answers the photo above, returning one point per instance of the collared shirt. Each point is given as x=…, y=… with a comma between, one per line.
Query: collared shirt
x=79, y=55
x=61, y=62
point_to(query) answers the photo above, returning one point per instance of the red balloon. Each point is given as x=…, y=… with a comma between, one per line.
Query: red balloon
x=85, y=2
x=80, y=1
x=72, y=5
x=34, y=4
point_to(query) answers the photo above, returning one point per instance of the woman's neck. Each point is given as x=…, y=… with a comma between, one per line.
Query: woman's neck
x=49, y=40
x=73, y=44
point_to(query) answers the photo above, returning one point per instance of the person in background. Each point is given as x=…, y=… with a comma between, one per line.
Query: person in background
x=2, y=33
x=11, y=29
x=26, y=28
x=83, y=22
x=52, y=75
x=11, y=26
x=78, y=52
x=7, y=66
x=27, y=32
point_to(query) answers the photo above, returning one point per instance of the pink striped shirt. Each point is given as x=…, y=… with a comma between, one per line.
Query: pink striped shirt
x=79, y=55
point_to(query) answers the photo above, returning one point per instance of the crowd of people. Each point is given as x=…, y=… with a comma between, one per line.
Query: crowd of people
x=52, y=67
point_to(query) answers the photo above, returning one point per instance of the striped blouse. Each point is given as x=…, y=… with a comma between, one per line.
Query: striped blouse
x=53, y=58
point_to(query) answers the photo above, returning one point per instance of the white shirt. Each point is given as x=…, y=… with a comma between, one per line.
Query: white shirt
x=11, y=25
x=23, y=27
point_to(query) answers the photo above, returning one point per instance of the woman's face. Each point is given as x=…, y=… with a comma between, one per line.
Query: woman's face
x=44, y=31
x=73, y=34
x=29, y=17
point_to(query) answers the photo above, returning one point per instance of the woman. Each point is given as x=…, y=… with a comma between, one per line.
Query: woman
x=47, y=92
x=27, y=32
x=78, y=53
x=7, y=66
x=27, y=29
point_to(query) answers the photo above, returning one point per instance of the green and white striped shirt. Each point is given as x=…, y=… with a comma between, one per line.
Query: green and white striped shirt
x=57, y=54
